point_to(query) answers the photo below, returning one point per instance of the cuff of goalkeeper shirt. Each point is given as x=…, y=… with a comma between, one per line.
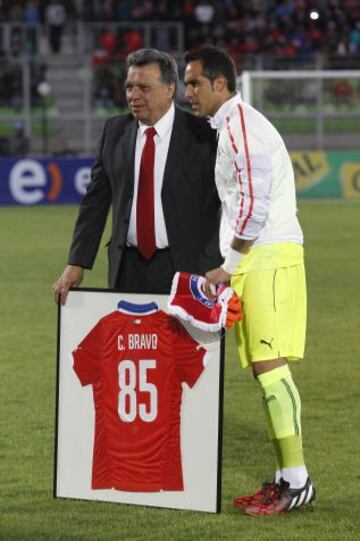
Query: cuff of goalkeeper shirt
x=232, y=260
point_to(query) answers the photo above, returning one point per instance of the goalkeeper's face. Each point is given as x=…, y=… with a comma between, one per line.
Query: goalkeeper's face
x=200, y=91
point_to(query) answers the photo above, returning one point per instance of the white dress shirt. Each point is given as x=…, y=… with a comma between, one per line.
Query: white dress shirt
x=162, y=139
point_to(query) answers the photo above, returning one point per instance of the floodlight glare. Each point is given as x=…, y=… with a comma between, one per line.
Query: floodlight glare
x=314, y=15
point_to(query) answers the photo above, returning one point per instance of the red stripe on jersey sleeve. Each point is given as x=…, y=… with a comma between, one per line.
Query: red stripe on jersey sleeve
x=238, y=176
x=248, y=169
x=231, y=137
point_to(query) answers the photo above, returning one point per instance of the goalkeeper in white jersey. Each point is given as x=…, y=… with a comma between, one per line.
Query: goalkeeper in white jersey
x=261, y=242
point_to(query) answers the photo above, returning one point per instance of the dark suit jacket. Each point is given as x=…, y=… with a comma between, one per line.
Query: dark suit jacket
x=189, y=197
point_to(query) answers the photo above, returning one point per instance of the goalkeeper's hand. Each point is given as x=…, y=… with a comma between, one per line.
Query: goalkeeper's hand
x=234, y=311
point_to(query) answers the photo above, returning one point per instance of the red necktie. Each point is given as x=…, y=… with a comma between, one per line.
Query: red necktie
x=145, y=222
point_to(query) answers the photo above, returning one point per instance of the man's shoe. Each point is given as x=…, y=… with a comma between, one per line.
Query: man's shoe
x=286, y=499
x=265, y=493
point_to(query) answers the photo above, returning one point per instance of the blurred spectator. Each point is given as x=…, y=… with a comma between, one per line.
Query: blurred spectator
x=38, y=75
x=16, y=12
x=109, y=88
x=31, y=18
x=10, y=86
x=55, y=17
x=123, y=11
x=276, y=29
x=19, y=144
x=343, y=46
x=142, y=10
x=204, y=12
x=343, y=91
x=16, y=41
x=16, y=100
x=107, y=11
x=132, y=40
x=354, y=39
x=32, y=12
x=87, y=12
x=100, y=57
x=104, y=95
x=109, y=41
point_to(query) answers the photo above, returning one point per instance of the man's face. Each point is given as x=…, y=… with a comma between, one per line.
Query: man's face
x=200, y=91
x=148, y=98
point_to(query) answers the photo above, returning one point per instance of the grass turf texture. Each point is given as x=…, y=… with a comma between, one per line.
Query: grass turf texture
x=34, y=244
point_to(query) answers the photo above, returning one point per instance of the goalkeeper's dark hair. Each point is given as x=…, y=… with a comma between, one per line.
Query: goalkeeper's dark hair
x=215, y=62
x=166, y=63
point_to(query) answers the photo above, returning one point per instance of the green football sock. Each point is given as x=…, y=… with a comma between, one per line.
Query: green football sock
x=283, y=408
x=278, y=454
x=282, y=401
x=278, y=462
x=291, y=450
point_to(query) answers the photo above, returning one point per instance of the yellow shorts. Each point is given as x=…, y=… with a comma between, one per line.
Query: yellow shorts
x=274, y=306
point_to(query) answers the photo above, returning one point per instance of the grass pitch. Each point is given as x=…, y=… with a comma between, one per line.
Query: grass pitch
x=34, y=244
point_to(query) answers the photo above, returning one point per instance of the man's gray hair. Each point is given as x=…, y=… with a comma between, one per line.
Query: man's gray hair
x=166, y=63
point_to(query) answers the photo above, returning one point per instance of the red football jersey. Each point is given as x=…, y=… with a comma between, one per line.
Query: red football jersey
x=136, y=363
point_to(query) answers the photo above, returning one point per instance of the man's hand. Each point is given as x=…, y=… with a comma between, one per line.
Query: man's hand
x=214, y=277
x=71, y=277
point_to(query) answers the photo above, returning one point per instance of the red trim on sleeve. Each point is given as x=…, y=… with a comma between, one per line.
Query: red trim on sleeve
x=238, y=176
x=231, y=135
x=248, y=169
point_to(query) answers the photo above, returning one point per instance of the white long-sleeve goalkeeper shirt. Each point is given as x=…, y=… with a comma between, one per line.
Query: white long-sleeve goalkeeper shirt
x=254, y=178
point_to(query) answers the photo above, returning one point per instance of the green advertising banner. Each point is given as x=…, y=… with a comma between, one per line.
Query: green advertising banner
x=327, y=174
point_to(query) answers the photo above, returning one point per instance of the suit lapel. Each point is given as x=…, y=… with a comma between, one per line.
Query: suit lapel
x=125, y=153
x=177, y=148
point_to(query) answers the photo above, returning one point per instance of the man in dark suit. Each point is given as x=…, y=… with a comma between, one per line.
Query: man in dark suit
x=155, y=167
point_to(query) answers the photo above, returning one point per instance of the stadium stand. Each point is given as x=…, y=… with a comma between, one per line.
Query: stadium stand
x=83, y=58
x=278, y=28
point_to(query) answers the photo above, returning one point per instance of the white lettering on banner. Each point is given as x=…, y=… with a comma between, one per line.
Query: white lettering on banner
x=82, y=179
x=142, y=341
x=26, y=178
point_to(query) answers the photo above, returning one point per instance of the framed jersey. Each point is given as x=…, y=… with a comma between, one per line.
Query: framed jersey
x=139, y=403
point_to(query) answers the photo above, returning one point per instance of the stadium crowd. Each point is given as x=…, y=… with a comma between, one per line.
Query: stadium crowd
x=268, y=34
x=286, y=28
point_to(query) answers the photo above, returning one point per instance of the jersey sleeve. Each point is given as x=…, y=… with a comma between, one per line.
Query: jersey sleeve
x=253, y=172
x=86, y=356
x=189, y=355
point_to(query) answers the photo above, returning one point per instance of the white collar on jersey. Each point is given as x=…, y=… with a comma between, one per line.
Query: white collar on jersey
x=133, y=309
x=217, y=121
